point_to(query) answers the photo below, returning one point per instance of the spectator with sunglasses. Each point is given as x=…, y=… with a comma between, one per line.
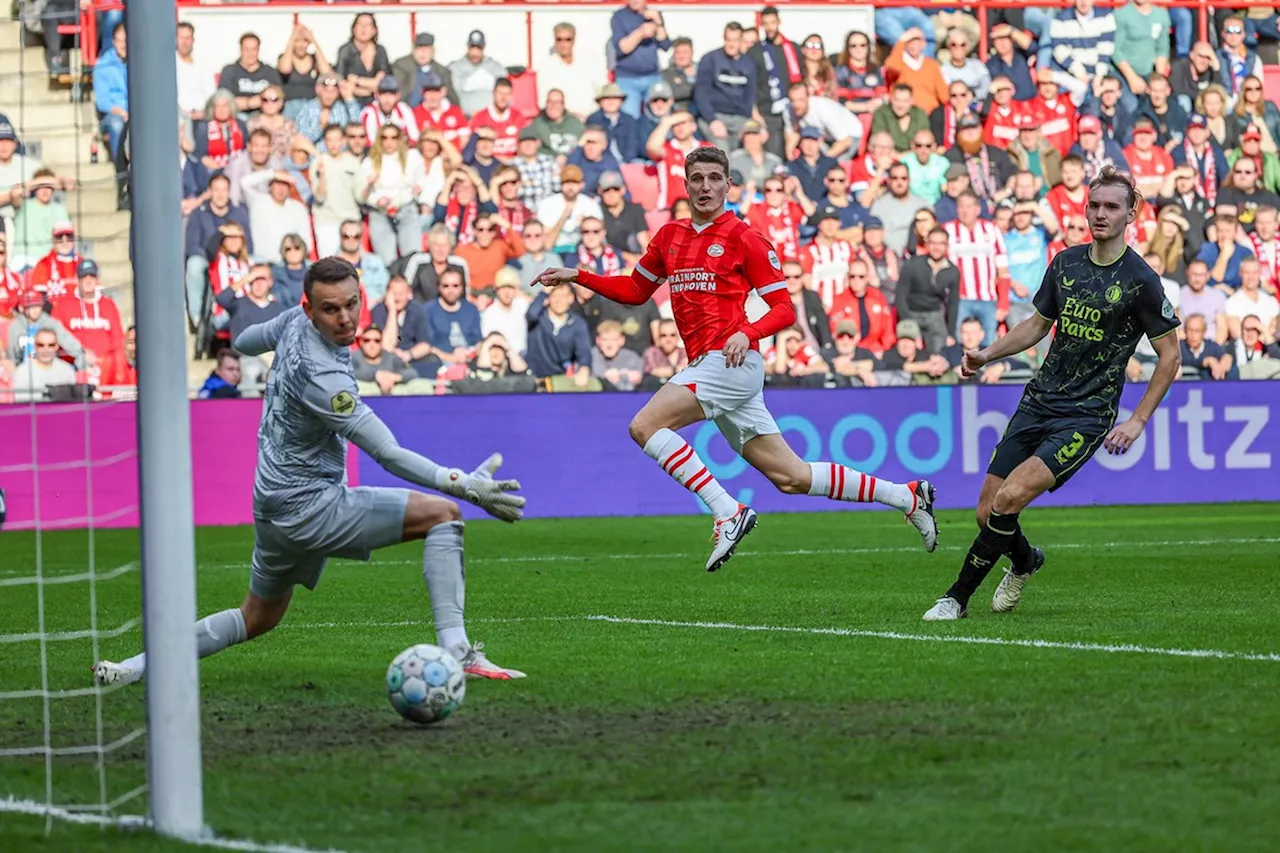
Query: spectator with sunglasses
x=496, y=244
x=392, y=177
x=1236, y=60
x=288, y=275
x=372, y=271
x=373, y=365
x=272, y=120
x=387, y=109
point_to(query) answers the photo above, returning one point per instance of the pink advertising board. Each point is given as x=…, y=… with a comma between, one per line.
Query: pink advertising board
x=72, y=465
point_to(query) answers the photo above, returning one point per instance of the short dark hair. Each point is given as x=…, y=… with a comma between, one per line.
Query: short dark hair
x=969, y=193
x=332, y=126
x=938, y=229
x=327, y=271
x=676, y=42
x=1074, y=160
x=118, y=28
x=770, y=10
x=733, y=27
x=903, y=87
x=260, y=133
x=219, y=176
x=707, y=154
x=502, y=81
x=188, y=26
x=247, y=36
x=226, y=352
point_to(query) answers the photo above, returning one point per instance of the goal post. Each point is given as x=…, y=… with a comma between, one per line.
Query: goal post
x=164, y=428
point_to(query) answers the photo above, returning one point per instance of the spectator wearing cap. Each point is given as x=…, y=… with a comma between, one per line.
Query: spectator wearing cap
x=1267, y=163
x=958, y=183
x=623, y=131
x=371, y=363
x=624, y=223
x=668, y=145
x=273, y=212
x=247, y=78
x=575, y=75
x=414, y=68
x=681, y=73
x=1241, y=190
x=1141, y=48
x=864, y=305
x=901, y=118
x=496, y=244
x=1053, y=114
x=438, y=113
x=43, y=370
x=539, y=172
x=332, y=105
x=54, y=275
x=1082, y=42
x=563, y=213
x=977, y=248
x=908, y=64
x=884, y=264
x=929, y=291
x=826, y=258
x=475, y=74
x=387, y=109
x=1168, y=116
x=557, y=128
x=32, y=317
x=725, y=91
x=960, y=67
x=594, y=158
x=792, y=363
x=1035, y=153
x=637, y=34
x=1223, y=254
x=111, y=88
x=1097, y=150
x=302, y=63
x=659, y=105
x=945, y=120
x=506, y=314
x=1202, y=153
x=1193, y=73
x=854, y=366
x=752, y=160
x=1236, y=60
x=15, y=168
x=94, y=319
x=362, y=61
x=249, y=301
x=37, y=211
x=1008, y=60
x=909, y=359
x=927, y=167
x=228, y=261
x=840, y=130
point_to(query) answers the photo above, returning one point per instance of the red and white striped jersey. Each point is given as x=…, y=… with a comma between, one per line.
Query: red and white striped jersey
x=828, y=268
x=1268, y=254
x=671, y=171
x=401, y=116
x=980, y=254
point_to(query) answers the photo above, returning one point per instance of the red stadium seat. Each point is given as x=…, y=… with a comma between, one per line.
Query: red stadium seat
x=655, y=219
x=642, y=184
x=1271, y=83
x=524, y=94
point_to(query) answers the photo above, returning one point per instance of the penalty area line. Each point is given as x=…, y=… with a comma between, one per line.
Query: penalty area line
x=12, y=805
x=1109, y=648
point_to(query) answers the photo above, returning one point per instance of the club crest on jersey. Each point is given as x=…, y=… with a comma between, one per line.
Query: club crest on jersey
x=1113, y=294
x=773, y=259
x=1166, y=309
x=715, y=250
x=343, y=403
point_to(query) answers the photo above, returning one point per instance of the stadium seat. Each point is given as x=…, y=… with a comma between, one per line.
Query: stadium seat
x=1271, y=83
x=524, y=94
x=655, y=219
x=642, y=184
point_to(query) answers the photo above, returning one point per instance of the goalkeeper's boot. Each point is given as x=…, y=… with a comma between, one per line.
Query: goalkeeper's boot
x=476, y=665
x=1009, y=592
x=921, y=515
x=107, y=672
x=728, y=533
x=946, y=609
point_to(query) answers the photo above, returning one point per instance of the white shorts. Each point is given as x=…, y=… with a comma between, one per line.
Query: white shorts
x=733, y=397
x=343, y=522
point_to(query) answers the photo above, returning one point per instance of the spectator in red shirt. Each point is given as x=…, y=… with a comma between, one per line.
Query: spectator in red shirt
x=1001, y=128
x=1148, y=162
x=437, y=113
x=94, y=319
x=55, y=274
x=501, y=119
x=778, y=218
x=1069, y=197
x=866, y=307
x=1057, y=114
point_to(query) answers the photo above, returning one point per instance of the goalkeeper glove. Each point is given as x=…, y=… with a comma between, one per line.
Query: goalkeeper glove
x=493, y=496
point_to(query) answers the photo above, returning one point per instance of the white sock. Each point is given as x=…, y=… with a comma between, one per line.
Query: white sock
x=677, y=458
x=845, y=484
x=444, y=569
x=213, y=634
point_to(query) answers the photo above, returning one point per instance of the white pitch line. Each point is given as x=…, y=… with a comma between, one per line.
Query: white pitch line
x=31, y=807
x=1269, y=657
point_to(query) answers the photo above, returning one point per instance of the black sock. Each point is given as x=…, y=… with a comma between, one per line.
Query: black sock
x=989, y=547
x=1019, y=550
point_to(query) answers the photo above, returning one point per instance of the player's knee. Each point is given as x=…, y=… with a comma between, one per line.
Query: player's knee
x=425, y=512
x=1010, y=499
x=641, y=429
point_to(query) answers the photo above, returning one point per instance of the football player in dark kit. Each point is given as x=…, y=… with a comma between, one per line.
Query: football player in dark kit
x=1103, y=298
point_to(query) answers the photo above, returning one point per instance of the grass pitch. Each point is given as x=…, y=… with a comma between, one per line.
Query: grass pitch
x=793, y=701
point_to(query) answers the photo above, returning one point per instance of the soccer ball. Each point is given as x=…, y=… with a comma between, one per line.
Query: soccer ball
x=426, y=684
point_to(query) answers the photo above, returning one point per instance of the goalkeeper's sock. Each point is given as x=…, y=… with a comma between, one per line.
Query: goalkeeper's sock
x=678, y=459
x=840, y=483
x=444, y=568
x=992, y=543
x=213, y=634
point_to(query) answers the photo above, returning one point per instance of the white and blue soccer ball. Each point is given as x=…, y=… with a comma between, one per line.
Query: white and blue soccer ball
x=426, y=684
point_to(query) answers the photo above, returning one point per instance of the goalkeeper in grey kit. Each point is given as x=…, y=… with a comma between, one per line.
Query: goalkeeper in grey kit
x=304, y=512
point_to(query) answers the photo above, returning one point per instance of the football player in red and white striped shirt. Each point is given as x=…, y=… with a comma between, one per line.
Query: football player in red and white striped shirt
x=712, y=262
x=977, y=249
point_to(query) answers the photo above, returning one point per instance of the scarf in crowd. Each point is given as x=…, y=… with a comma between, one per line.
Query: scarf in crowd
x=1206, y=171
x=607, y=264
x=59, y=285
x=948, y=127
x=777, y=91
x=460, y=220
x=229, y=270
x=1268, y=255
x=517, y=214
x=1094, y=161
x=980, y=174
x=221, y=146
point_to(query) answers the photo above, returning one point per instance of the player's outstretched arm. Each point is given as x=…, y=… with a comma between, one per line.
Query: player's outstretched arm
x=263, y=337
x=1021, y=337
x=495, y=497
x=1169, y=366
x=635, y=289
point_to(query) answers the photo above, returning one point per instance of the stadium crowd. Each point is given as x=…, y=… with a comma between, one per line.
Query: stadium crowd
x=914, y=191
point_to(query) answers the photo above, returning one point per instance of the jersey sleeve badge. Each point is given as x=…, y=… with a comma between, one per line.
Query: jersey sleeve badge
x=773, y=259
x=343, y=403
x=1166, y=308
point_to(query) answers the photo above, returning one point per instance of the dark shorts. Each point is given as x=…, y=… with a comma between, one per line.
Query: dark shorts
x=1062, y=443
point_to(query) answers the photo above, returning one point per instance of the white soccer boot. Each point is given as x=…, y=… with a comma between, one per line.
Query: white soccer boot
x=728, y=533
x=107, y=672
x=921, y=515
x=1009, y=592
x=946, y=609
x=476, y=665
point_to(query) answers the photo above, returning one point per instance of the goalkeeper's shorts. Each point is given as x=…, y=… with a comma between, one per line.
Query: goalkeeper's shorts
x=733, y=397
